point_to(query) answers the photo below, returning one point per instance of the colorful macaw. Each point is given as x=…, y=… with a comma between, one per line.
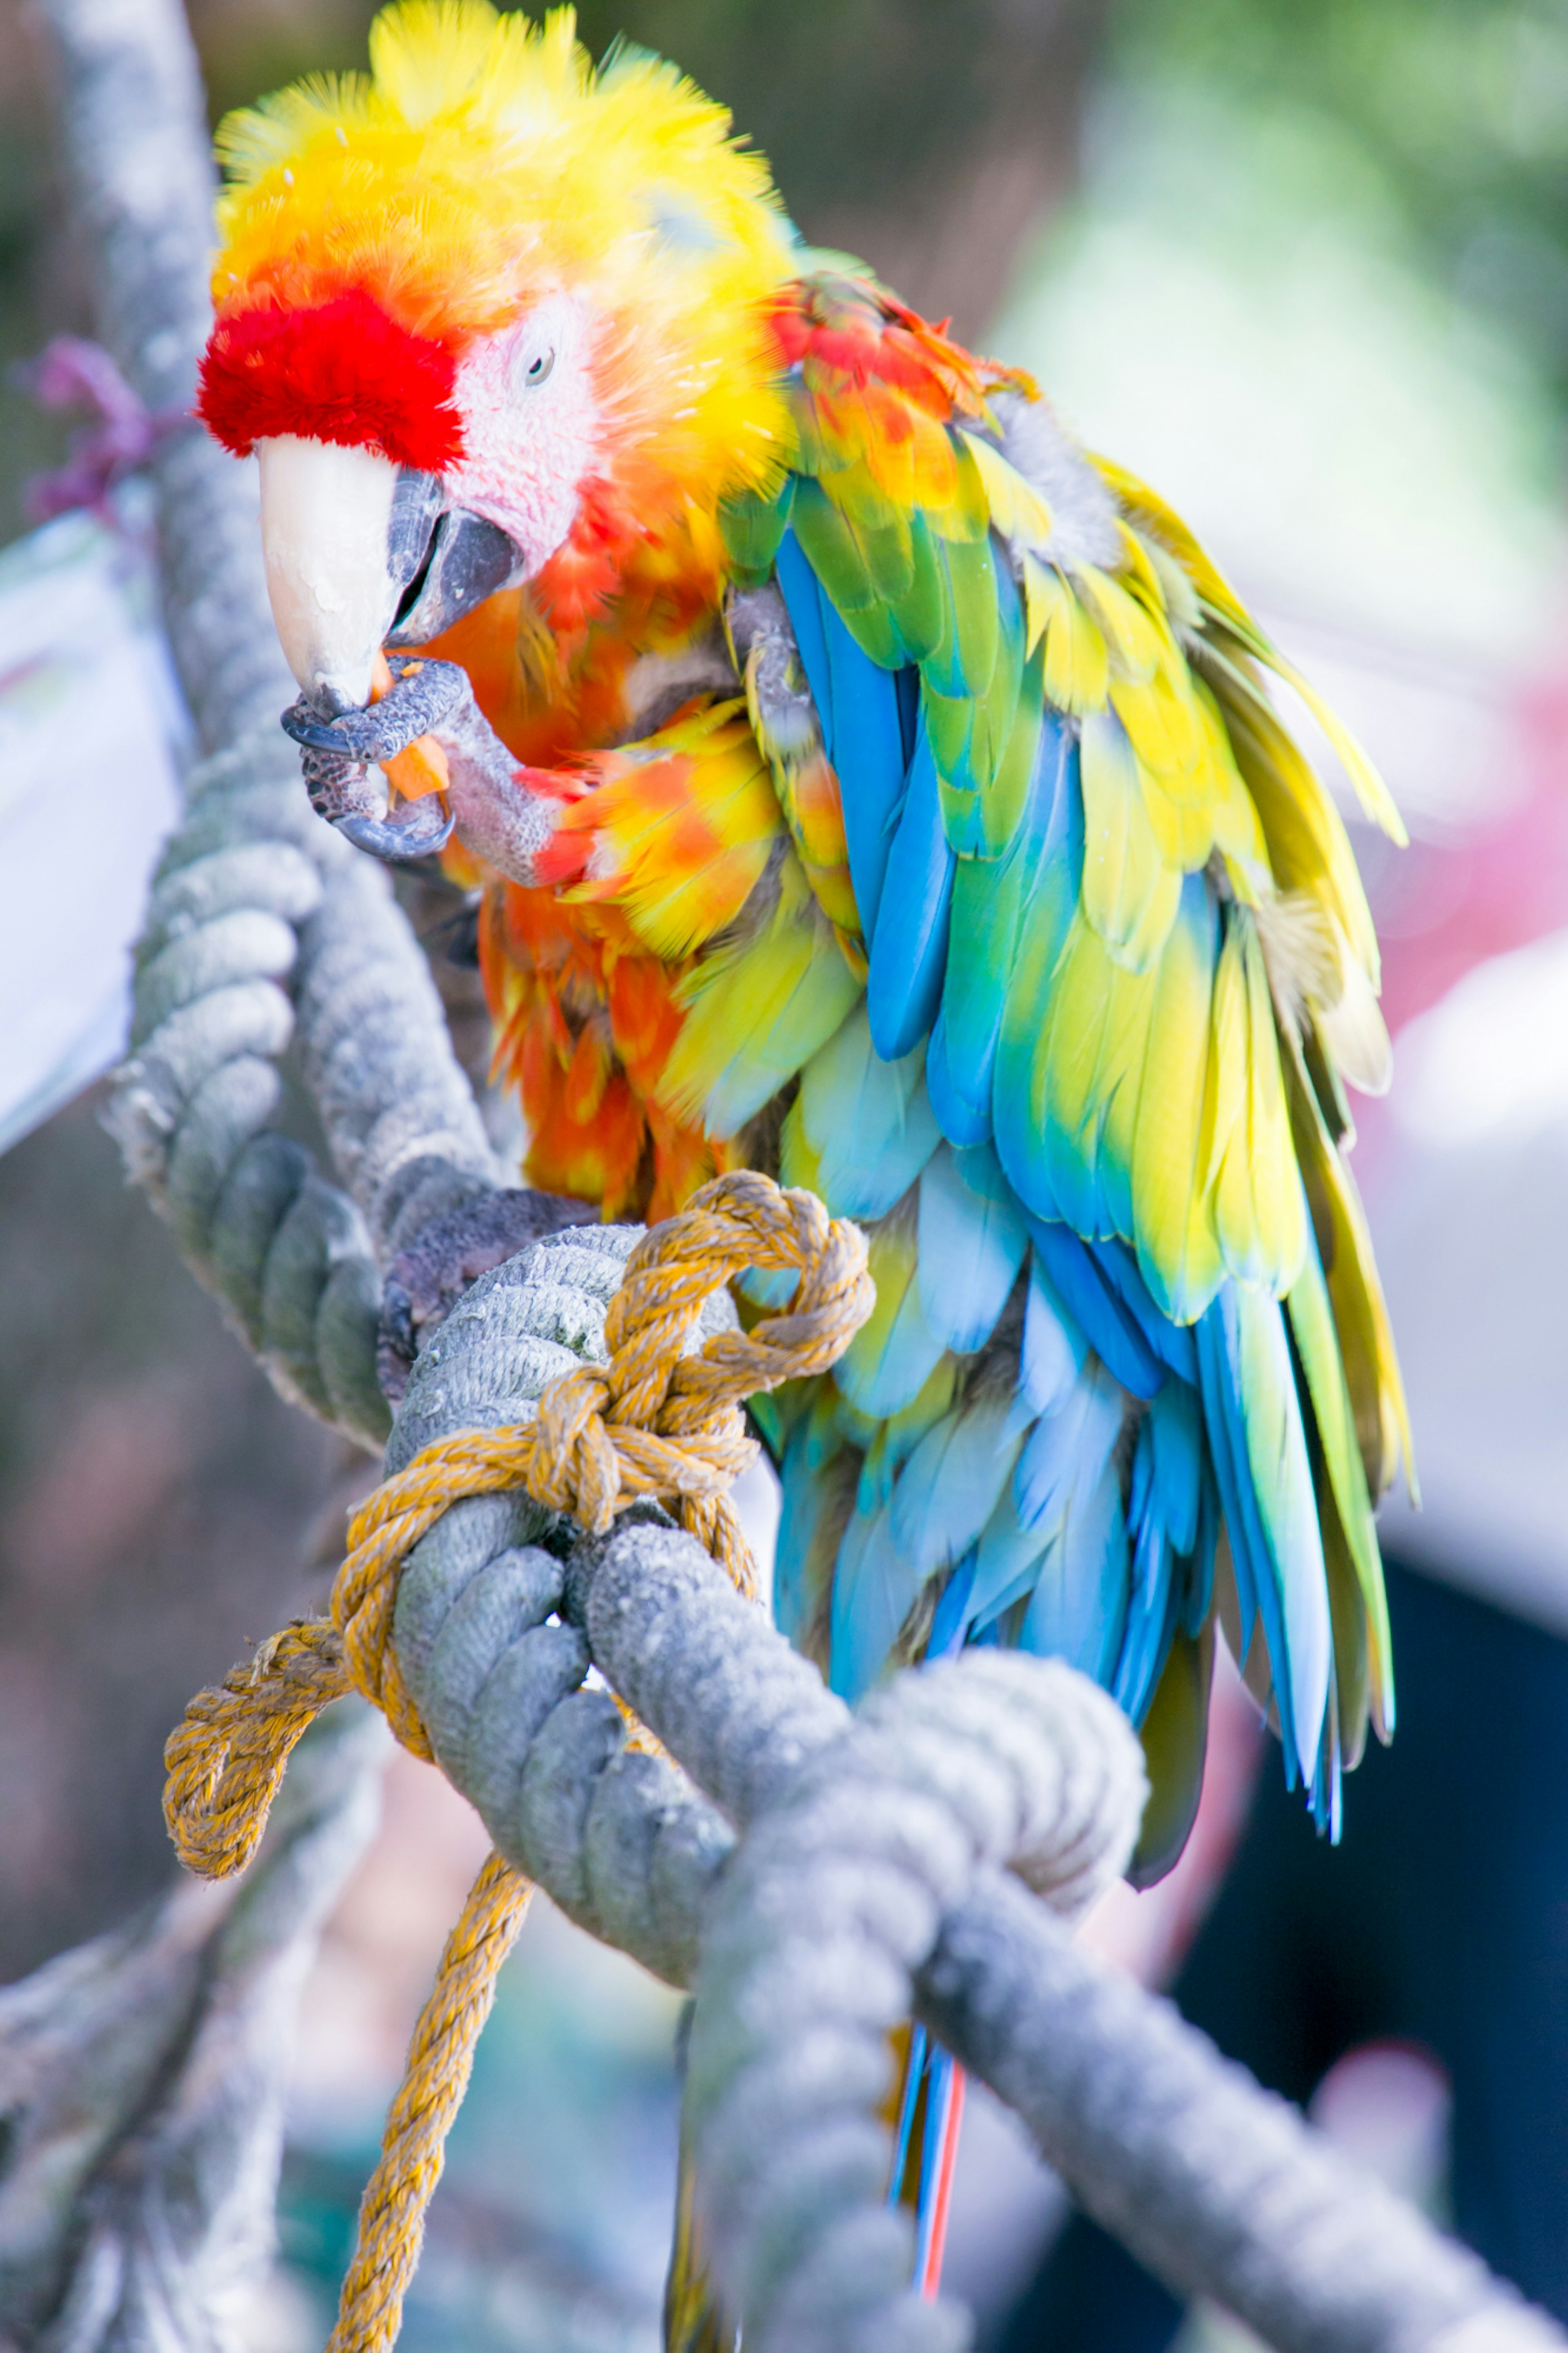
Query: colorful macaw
x=867, y=784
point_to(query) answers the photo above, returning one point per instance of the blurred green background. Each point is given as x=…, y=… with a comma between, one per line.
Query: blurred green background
x=1302, y=263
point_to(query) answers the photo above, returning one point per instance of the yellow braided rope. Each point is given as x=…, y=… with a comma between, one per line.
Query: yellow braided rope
x=651, y=1422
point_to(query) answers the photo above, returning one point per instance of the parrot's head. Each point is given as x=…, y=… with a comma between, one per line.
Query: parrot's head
x=488, y=315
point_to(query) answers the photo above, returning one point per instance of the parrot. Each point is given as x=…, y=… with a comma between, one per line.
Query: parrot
x=862, y=782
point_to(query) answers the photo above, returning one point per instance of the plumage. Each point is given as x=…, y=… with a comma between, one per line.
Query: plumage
x=923, y=829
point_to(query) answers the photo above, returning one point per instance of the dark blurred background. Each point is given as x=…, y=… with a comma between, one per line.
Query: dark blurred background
x=1306, y=266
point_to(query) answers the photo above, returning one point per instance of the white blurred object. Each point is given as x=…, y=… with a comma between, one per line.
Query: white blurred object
x=1388, y=2106
x=1488, y=1065
x=758, y=1500
x=1467, y=1216
x=91, y=722
x=1227, y=314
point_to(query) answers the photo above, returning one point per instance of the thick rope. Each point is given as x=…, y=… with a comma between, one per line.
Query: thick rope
x=265, y=928
x=652, y=1424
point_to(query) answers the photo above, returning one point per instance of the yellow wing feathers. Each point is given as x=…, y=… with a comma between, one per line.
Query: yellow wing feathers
x=1173, y=1074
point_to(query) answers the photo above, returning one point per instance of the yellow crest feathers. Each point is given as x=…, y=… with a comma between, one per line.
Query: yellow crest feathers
x=484, y=161
x=483, y=157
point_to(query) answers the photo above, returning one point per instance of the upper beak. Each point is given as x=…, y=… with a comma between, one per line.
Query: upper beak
x=326, y=519
x=360, y=552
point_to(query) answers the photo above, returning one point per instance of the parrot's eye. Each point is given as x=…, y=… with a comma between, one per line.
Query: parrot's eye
x=538, y=368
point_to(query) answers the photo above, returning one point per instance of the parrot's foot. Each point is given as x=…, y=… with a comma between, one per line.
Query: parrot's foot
x=339, y=757
x=500, y=817
x=428, y=1278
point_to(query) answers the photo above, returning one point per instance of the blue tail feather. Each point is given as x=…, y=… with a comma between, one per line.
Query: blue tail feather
x=1067, y=1449
x=1078, y=1608
x=948, y=1488
x=1253, y=1413
x=1096, y=1306
x=1054, y=1347
x=972, y=1244
x=806, y=1489
x=1172, y=1342
x=908, y=954
x=868, y=1123
x=797, y=585
x=873, y=1588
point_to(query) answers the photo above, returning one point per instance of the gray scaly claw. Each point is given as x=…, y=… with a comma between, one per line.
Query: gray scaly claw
x=338, y=757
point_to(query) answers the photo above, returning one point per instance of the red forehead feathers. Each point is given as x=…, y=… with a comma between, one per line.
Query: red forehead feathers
x=345, y=372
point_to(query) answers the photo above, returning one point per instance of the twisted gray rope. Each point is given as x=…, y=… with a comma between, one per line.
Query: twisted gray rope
x=809, y=1953
x=1219, y=2188
x=265, y=932
x=882, y=1836
x=142, y=2081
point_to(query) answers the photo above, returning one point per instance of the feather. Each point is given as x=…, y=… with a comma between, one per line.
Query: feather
x=817, y=1494
x=972, y=1244
x=948, y=1489
x=1178, y=1250
x=1258, y=1210
x=908, y=954
x=1054, y=1347
x=797, y=583
x=677, y=831
x=869, y=757
x=1170, y=1342
x=874, y=1589
x=1077, y=1611
x=1151, y=1621
x=896, y=1438
x=1317, y=1346
x=1095, y=1304
x=758, y=1008
x=867, y=1124
x=1068, y=1447
x=991, y=903
x=1250, y=1388
x=895, y=1351
x=1130, y=892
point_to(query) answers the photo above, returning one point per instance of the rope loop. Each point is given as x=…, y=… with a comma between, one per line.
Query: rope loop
x=653, y=1422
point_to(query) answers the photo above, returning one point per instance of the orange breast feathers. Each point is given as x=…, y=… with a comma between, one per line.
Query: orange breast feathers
x=585, y=1019
x=657, y=847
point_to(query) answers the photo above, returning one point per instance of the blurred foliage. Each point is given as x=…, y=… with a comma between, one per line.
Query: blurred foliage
x=927, y=135
x=1459, y=109
x=853, y=101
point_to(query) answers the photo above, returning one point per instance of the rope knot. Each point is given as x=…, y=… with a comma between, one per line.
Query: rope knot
x=654, y=1421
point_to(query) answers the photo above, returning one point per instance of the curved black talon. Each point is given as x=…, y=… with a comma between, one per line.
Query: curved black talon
x=427, y=829
x=411, y=707
x=318, y=735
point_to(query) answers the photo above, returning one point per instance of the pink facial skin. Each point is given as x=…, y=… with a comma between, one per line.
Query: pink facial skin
x=532, y=424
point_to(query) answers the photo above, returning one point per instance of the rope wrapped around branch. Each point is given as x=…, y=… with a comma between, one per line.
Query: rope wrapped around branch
x=653, y=1423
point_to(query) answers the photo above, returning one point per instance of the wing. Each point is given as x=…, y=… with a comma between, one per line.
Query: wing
x=1051, y=953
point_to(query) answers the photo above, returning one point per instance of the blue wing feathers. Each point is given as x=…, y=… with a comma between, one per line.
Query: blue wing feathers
x=909, y=955
x=946, y=1080
x=797, y=585
x=868, y=1122
x=1054, y=1347
x=1096, y=1306
x=1172, y=1344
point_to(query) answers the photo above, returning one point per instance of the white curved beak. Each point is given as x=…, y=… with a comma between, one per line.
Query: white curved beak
x=325, y=518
